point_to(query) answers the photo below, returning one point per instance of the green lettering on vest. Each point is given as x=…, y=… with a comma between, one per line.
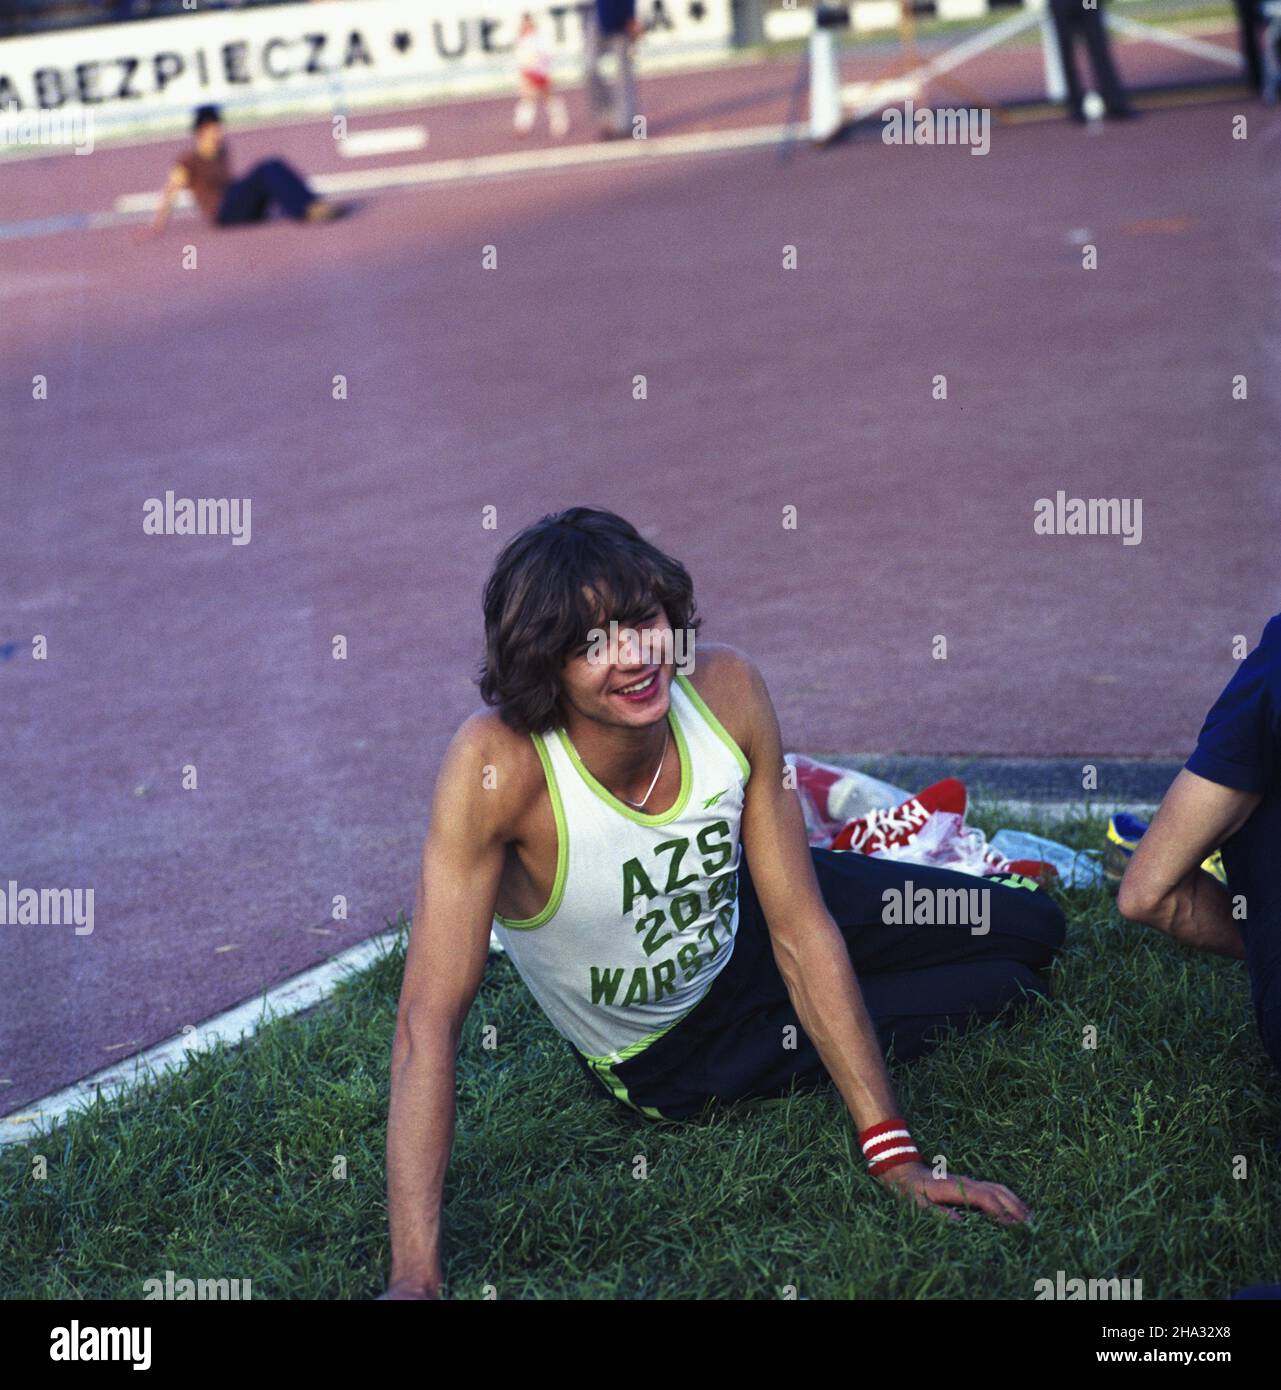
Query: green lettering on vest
x=724, y=888
x=652, y=921
x=664, y=979
x=605, y=984
x=686, y=910
x=636, y=883
x=724, y=852
x=678, y=848
x=688, y=957
x=638, y=990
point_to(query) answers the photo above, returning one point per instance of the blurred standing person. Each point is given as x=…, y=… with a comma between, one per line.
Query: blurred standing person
x=534, y=70
x=1084, y=19
x=1248, y=21
x=612, y=28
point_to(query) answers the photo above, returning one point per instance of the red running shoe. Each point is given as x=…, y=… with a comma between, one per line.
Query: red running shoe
x=878, y=830
x=1035, y=869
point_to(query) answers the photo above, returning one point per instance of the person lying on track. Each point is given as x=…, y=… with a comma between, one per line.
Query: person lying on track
x=205, y=169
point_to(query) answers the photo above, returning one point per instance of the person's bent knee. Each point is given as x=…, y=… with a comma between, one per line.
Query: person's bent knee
x=1032, y=915
x=1053, y=920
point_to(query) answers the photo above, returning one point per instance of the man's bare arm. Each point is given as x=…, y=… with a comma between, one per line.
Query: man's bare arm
x=808, y=946
x=178, y=180
x=461, y=866
x=1164, y=885
x=815, y=965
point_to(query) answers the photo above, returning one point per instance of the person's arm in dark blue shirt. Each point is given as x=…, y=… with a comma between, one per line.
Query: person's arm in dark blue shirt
x=1235, y=763
x=1164, y=885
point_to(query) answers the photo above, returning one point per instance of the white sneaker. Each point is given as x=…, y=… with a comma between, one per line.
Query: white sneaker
x=523, y=116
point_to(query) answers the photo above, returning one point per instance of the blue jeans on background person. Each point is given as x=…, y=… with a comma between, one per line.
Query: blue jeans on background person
x=614, y=106
x=249, y=199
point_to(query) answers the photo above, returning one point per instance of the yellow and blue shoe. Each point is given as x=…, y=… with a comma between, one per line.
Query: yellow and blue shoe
x=1124, y=833
x=1214, y=865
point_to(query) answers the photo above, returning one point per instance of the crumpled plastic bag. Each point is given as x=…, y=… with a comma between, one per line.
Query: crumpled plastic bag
x=831, y=796
x=1075, y=868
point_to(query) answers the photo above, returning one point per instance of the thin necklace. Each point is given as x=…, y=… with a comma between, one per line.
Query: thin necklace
x=638, y=804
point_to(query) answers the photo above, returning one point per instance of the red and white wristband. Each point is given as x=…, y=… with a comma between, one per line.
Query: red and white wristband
x=887, y=1145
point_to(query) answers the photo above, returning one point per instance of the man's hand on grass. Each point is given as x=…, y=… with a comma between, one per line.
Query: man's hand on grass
x=916, y=1182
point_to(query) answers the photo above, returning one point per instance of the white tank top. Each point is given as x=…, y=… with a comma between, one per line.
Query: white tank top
x=644, y=908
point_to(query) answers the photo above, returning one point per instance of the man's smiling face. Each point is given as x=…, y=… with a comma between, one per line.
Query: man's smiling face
x=626, y=682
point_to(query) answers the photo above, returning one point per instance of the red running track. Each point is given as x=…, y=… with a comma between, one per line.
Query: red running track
x=513, y=388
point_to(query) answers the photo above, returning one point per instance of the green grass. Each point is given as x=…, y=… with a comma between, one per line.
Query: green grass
x=1124, y=1152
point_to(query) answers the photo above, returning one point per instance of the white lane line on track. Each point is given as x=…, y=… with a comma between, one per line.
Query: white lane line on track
x=134, y=207
x=520, y=162
x=395, y=139
x=134, y=204
x=300, y=992
x=237, y=1024
x=37, y=283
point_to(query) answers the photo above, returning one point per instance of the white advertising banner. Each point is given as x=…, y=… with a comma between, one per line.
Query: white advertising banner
x=338, y=52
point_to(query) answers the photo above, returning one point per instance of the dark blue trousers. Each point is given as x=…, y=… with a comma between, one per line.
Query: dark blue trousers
x=1250, y=859
x=917, y=981
x=250, y=198
x=1071, y=19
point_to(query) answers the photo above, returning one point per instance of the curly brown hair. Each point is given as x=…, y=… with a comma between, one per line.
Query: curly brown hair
x=558, y=579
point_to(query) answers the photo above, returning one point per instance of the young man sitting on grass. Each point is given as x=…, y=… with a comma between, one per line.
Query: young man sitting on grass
x=594, y=821
x=1228, y=795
